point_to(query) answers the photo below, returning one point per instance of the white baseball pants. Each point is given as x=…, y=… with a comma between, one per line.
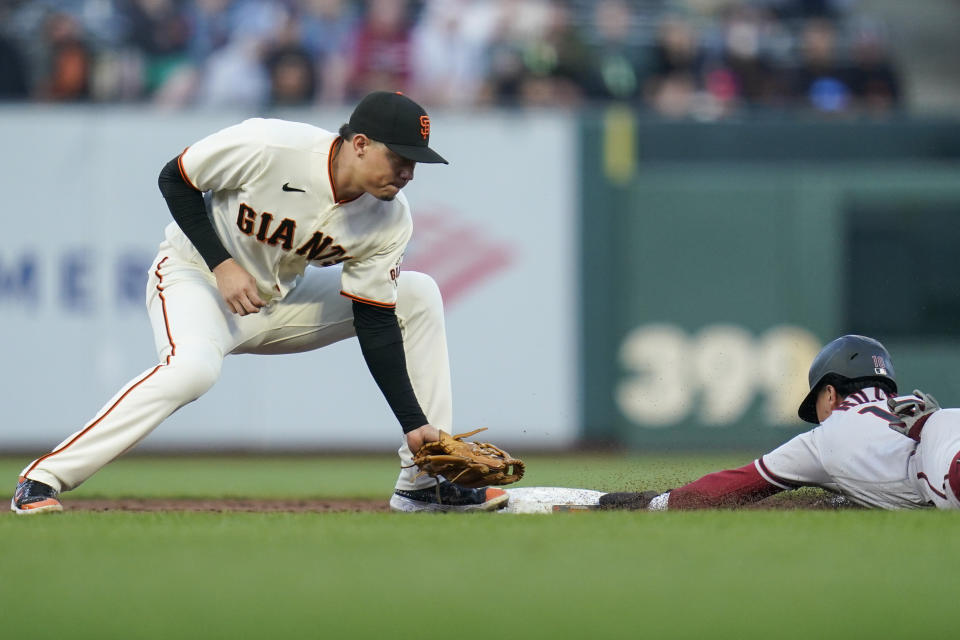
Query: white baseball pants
x=194, y=330
x=937, y=464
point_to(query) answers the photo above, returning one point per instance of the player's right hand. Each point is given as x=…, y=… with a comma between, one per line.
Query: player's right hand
x=238, y=287
x=912, y=412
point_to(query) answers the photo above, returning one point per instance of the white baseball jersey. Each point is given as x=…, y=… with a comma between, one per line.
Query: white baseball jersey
x=275, y=209
x=853, y=452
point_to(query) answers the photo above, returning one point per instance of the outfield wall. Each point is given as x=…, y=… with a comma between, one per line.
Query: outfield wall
x=718, y=259
x=83, y=217
x=607, y=278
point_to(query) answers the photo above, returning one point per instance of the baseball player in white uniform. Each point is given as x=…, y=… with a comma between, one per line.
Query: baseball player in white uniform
x=286, y=238
x=871, y=447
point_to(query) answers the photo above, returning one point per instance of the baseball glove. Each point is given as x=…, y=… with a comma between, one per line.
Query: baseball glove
x=468, y=464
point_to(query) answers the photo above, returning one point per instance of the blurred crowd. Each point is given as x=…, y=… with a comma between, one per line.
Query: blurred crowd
x=706, y=59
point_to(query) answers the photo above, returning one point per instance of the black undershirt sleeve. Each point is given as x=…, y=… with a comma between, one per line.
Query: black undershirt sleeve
x=382, y=345
x=187, y=208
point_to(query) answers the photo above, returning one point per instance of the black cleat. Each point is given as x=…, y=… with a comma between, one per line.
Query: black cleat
x=447, y=496
x=34, y=497
x=627, y=499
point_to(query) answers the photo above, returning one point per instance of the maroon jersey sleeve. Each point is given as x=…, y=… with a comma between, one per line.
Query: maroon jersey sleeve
x=724, y=489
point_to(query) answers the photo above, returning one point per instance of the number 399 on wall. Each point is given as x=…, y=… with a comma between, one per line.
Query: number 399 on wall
x=668, y=376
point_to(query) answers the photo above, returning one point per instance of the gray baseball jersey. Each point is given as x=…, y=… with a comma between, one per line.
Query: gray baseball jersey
x=853, y=452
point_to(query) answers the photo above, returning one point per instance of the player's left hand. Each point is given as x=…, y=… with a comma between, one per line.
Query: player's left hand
x=912, y=412
x=468, y=464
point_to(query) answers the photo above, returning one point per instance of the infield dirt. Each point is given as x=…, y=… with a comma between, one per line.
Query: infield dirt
x=800, y=500
x=255, y=506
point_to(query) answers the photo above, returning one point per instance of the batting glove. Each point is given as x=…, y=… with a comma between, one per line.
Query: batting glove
x=912, y=413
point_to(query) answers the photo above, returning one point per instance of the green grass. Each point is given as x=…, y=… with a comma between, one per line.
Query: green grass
x=782, y=574
x=359, y=476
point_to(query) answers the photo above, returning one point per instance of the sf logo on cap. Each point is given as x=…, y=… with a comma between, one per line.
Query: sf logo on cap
x=425, y=126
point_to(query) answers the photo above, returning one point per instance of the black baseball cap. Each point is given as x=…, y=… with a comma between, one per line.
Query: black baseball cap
x=398, y=122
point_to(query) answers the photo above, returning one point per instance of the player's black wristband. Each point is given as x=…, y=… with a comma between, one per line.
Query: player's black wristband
x=188, y=209
x=382, y=345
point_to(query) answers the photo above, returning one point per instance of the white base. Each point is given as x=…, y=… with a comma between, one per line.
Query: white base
x=543, y=499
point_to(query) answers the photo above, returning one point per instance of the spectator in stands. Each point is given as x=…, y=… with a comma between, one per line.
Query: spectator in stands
x=743, y=77
x=327, y=27
x=235, y=75
x=677, y=66
x=821, y=82
x=537, y=55
x=449, y=45
x=874, y=78
x=381, y=51
x=290, y=67
x=211, y=26
x=158, y=30
x=742, y=53
x=292, y=81
x=14, y=81
x=513, y=23
x=804, y=9
x=618, y=62
x=69, y=66
x=555, y=61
